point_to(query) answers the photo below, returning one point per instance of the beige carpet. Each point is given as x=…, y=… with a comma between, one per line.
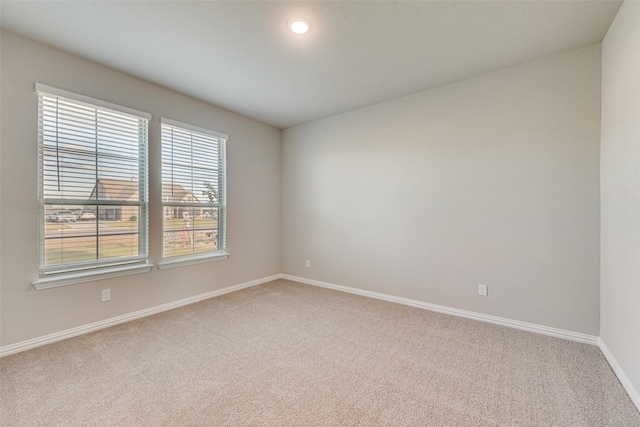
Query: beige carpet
x=287, y=354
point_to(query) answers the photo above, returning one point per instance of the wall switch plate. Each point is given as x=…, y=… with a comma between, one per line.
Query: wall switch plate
x=483, y=290
x=106, y=295
x=308, y=263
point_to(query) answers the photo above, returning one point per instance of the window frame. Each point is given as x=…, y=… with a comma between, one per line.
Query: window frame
x=221, y=251
x=83, y=271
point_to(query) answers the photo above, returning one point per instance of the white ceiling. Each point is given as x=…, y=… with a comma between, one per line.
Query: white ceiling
x=240, y=55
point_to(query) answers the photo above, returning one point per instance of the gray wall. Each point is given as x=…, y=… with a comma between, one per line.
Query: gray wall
x=620, y=183
x=253, y=196
x=492, y=180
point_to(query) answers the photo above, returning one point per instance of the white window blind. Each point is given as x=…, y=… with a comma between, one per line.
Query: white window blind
x=193, y=190
x=92, y=182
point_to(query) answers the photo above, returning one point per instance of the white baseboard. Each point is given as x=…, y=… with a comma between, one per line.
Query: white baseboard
x=91, y=327
x=516, y=324
x=622, y=377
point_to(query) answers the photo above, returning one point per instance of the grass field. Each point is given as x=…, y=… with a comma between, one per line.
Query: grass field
x=176, y=242
x=61, y=255
x=168, y=223
x=173, y=251
x=177, y=223
x=133, y=224
x=58, y=251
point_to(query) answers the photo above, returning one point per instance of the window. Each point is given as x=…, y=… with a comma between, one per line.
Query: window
x=193, y=193
x=92, y=186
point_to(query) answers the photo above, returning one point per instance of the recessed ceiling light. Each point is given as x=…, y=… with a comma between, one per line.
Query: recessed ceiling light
x=299, y=26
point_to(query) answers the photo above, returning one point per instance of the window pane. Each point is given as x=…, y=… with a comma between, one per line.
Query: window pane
x=118, y=232
x=189, y=230
x=177, y=236
x=65, y=248
x=206, y=230
x=66, y=239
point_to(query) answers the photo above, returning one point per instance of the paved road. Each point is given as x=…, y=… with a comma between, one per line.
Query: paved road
x=84, y=228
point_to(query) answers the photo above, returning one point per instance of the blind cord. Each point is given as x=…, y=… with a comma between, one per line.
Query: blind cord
x=172, y=162
x=57, y=146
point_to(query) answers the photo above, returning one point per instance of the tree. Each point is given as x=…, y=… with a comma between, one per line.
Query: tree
x=210, y=192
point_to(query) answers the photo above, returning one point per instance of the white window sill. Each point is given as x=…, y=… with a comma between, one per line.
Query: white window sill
x=57, y=280
x=198, y=259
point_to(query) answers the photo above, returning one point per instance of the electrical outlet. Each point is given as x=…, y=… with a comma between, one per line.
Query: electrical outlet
x=308, y=263
x=106, y=295
x=483, y=290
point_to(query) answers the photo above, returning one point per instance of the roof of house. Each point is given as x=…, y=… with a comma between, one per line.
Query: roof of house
x=122, y=189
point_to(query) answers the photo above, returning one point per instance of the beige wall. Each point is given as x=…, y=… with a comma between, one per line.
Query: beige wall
x=491, y=180
x=620, y=183
x=253, y=196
